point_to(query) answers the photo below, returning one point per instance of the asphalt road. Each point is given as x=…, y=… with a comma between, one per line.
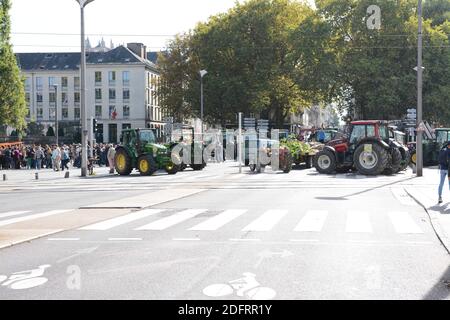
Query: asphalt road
x=246, y=237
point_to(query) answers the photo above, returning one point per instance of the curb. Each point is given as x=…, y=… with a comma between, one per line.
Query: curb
x=434, y=220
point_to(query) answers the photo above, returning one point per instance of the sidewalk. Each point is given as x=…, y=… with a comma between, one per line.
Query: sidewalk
x=425, y=192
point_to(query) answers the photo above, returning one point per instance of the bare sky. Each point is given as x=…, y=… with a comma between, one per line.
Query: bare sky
x=110, y=18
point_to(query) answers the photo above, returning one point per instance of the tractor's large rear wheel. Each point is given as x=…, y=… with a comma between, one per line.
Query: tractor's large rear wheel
x=122, y=163
x=396, y=162
x=372, y=161
x=146, y=165
x=325, y=161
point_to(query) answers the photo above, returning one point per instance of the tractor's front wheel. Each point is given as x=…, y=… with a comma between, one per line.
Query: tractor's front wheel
x=396, y=162
x=172, y=168
x=325, y=161
x=146, y=165
x=122, y=163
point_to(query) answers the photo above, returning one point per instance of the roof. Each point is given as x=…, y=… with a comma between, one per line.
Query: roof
x=62, y=61
x=153, y=56
x=362, y=122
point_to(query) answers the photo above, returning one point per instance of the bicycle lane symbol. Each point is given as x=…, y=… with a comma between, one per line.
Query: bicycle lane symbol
x=247, y=286
x=25, y=279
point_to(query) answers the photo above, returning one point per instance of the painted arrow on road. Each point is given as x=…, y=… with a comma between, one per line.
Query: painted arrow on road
x=269, y=254
x=77, y=254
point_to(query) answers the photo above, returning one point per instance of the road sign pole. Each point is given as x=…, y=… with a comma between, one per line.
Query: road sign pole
x=419, y=146
x=240, y=143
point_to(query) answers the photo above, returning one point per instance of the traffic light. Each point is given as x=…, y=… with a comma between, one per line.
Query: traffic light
x=94, y=125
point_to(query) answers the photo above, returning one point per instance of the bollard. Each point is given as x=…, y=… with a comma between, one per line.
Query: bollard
x=5, y=177
x=67, y=175
x=36, y=176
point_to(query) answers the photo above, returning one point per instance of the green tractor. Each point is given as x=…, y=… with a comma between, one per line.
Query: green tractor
x=138, y=149
x=431, y=147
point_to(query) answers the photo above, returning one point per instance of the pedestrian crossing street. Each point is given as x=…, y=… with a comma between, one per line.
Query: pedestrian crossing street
x=244, y=221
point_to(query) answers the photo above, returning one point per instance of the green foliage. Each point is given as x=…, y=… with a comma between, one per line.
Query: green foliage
x=50, y=132
x=295, y=146
x=12, y=92
x=34, y=129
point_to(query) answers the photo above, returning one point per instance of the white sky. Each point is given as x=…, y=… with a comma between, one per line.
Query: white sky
x=105, y=17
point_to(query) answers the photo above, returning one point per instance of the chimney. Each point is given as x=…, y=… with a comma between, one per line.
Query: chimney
x=138, y=49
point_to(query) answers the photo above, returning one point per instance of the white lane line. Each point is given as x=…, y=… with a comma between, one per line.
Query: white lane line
x=124, y=239
x=267, y=221
x=218, y=221
x=179, y=217
x=32, y=217
x=12, y=213
x=186, y=239
x=111, y=223
x=313, y=221
x=358, y=221
x=244, y=240
x=403, y=223
x=63, y=239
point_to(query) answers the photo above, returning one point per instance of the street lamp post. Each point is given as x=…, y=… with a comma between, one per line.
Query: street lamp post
x=202, y=74
x=55, y=86
x=84, y=131
x=419, y=146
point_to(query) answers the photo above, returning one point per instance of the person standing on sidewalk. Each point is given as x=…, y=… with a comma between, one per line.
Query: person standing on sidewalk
x=111, y=155
x=444, y=159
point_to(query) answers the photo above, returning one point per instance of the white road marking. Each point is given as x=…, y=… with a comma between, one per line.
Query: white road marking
x=244, y=240
x=32, y=217
x=165, y=223
x=186, y=239
x=358, y=221
x=63, y=239
x=111, y=223
x=267, y=221
x=124, y=239
x=218, y=221
x=313, y=221
x=403, y=223
x=12, y=213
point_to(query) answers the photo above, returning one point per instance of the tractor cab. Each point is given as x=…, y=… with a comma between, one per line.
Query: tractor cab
x=442, y=136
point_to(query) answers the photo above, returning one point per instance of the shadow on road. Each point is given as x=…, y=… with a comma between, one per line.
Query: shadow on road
x=442, y=209
x=441, y=290
x=364, y=191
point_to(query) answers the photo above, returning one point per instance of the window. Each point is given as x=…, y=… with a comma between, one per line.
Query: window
x=98, y=94
x=126, y=94
x=358, y=133
x=65, y=113
x=28, y=113
x=112, y=77
x=51, y=82
x=40, y=113
x=98, y=111
x=126, y=126
x=126, y=78
x=52, y=113
x=126, y=111
x=112, y=94
x=77, y=113
x=384, y=132
x=64, y=82
x=370, y=131
x=98, y=77
x=27, y=97
x=76, y=82
x=112, y=112
x=76, y=96
x=52, y=97
x=38, y=83
x=39, y=98
x=64, y=98
x=27, y=84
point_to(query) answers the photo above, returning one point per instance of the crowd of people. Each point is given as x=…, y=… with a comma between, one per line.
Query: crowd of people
x=55, y=157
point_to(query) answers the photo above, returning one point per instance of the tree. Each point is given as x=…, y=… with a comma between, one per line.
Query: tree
x=50, y=132
x=34, y=129
x=12, y=92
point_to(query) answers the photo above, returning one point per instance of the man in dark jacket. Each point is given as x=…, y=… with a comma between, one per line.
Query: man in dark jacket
x=444, y=160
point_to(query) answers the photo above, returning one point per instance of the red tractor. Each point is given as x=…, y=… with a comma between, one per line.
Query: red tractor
x=365, y=147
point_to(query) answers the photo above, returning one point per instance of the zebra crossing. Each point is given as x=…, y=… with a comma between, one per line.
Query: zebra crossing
x=244, y=221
